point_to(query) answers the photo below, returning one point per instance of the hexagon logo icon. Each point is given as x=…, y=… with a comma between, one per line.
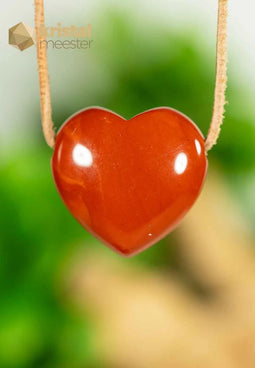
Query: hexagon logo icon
x=21, y=36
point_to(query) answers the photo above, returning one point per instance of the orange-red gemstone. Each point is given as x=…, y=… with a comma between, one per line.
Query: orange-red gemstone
x=129, y=182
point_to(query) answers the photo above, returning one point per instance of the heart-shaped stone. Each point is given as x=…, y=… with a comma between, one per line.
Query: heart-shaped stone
x=129, y=182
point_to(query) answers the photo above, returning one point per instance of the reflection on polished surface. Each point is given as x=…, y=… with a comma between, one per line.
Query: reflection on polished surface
x=82, y=156
x=180, y=163
x=129, y=182
x=198, y=146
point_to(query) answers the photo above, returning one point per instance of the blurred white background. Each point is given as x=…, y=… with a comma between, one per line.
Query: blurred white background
x=19, y=87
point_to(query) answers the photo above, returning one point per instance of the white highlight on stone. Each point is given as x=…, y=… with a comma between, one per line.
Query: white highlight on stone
x=82, y=156
x=198, y=146
x=181, y=163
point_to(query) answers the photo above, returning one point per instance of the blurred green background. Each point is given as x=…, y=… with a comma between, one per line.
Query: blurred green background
x=133, y=66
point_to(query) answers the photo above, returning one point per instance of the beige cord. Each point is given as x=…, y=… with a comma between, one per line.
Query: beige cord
x=47, y=123
x=221, y=78
x=220, y=83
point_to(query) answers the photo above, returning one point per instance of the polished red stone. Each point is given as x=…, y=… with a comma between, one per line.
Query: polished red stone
x=129, y=182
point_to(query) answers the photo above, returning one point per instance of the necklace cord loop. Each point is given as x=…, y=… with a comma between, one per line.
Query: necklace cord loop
x=220, y=80
x=221, y=77
x=44, y=82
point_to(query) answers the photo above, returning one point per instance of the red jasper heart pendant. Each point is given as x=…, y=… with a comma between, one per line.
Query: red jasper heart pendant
x=129, y=182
